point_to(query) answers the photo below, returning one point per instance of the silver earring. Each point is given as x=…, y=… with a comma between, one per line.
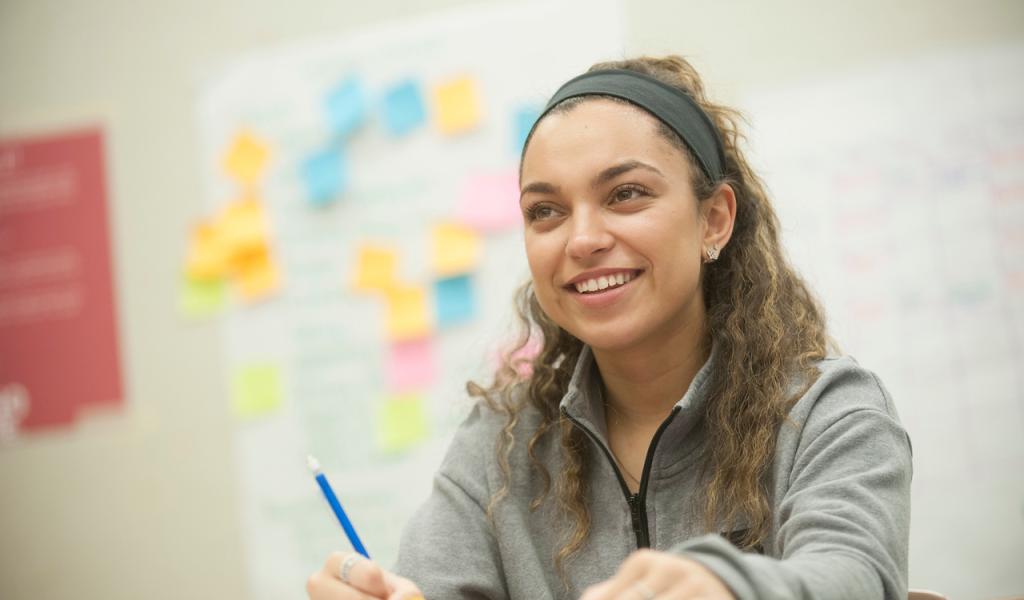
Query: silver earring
x=712, y=253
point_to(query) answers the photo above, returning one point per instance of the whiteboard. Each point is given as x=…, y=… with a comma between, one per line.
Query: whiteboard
x=901, y=195
x=328, y=343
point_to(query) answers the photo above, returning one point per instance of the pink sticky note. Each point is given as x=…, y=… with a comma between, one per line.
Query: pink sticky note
x=410, y=365
x=490, y=202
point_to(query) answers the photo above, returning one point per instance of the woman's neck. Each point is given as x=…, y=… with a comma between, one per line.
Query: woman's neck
x=642, y=386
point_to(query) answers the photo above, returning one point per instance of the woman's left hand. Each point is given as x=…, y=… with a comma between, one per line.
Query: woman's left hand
x=650, y=575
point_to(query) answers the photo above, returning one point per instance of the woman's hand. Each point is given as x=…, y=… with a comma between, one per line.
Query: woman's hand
x=364, y=581
x=650, y=575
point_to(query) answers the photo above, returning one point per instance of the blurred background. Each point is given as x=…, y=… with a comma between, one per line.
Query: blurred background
x=234, y=233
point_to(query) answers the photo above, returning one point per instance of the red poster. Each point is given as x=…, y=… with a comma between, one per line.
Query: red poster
x=58, y=332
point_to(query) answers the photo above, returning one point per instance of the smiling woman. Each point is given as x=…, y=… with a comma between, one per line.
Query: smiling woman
x=684, y=431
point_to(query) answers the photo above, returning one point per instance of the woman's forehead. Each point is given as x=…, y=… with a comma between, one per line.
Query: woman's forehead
x=597, y=130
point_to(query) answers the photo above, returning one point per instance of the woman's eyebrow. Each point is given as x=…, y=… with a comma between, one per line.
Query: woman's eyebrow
x=614, y=171
x=543, y=187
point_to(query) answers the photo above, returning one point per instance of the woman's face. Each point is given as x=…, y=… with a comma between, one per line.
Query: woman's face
x=613, y=231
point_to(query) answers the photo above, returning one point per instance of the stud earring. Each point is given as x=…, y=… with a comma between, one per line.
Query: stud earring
x=712, y=254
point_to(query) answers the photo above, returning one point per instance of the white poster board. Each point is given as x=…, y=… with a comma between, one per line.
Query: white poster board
x=901, y=195
x=326, y=346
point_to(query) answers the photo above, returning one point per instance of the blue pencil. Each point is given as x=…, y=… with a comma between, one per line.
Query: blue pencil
x=339, y=512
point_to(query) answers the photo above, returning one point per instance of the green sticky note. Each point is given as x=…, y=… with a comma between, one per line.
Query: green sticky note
x=401, y=423
x=256, y=390
x=199, y=298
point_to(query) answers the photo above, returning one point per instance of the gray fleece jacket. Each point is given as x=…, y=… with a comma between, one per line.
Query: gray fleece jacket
x=840, y=486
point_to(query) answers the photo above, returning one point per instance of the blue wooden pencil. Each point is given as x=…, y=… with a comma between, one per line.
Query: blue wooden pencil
x=339, y=512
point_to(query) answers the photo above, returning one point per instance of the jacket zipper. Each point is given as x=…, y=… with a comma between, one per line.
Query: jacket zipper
x=637, y=502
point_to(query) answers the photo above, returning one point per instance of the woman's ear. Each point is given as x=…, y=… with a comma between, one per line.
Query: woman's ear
x=719, y=213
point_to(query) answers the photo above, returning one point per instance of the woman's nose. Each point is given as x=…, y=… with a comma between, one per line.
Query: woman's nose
x=588, y=235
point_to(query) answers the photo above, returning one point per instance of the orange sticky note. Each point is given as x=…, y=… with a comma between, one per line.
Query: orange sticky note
x=243, y=226
x=457, y=105
x=208, y=255
x=401, y=422
x=407, y=314
x=375, y=268
x=246, y=158
x=455, y=249
x=256, y=274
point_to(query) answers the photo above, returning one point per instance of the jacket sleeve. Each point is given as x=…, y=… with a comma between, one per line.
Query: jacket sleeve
x=842, y=525
x=448, y=548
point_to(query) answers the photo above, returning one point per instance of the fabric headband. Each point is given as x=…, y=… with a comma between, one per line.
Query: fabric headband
x=671, y=106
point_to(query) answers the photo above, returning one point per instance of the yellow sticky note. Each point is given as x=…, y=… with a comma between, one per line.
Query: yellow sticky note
x=407, y=314
x=455, y=249
x=257, y=274
x=256, y=390
x=200, y=298
x=208, y=255
x=375, y=268
x=457, y=105
x=401, y=423
x=243, y=226
x=246, y=158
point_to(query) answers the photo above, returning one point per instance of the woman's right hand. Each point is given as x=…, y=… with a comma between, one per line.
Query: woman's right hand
x=366, y=581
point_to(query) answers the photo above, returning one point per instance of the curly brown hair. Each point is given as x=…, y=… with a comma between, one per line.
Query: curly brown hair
x=767, y=328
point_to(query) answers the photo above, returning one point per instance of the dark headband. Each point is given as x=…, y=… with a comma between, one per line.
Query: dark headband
x=671, y=106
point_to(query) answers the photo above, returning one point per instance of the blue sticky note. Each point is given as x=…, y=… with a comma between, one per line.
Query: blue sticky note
x=522, y=123
x=346, y=106
x=454, y=300
x=325, y=175
x=403, y=108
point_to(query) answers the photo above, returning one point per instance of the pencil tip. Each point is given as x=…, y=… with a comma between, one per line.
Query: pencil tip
x=314, y=466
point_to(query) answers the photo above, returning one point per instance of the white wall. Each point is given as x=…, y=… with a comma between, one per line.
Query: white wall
x=143, y=504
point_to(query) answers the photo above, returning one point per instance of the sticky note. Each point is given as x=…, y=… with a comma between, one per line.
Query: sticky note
x=243, y=226
x=401, y=422
x=375, y=268
x=346, y=106
x=489, y=202
x=455, y=249
x=256, y=390
x=200, y=298
x=522, y=122
x=457, y=105
x=407, y=315
x=522, y=359
x=410, y=365
x=256, y=274
x=246, y=158
x=403, y=108
x=454, y=300
x=325, y=175
x=209, y=257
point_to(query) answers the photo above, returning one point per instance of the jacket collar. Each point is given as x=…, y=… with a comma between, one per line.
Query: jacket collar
x=584, y=400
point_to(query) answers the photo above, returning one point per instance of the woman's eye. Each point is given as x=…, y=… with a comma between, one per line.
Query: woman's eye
x=626, y=193
x=539, y=212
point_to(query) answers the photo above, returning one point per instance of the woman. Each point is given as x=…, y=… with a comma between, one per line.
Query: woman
x=683, y=432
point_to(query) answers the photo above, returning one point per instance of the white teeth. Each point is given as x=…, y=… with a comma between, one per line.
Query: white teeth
x=603, y=282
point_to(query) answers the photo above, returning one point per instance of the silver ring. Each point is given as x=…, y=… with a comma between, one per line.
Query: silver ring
x=347, y=564
x=644, y=591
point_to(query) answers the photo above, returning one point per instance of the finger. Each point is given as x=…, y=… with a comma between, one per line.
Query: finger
x=363, y=573
x=401, y=588
x=326, y=586
x=633, y=569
